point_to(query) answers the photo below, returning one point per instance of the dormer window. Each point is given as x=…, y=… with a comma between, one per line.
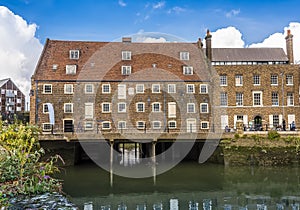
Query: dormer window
x=70, y=69
x=184, y=56
x=126, y=55
x=74, y=54
x=126, y=70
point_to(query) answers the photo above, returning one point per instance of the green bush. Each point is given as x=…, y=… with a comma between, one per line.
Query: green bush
x=273, y=135
x=236, y=136
x=256, y=138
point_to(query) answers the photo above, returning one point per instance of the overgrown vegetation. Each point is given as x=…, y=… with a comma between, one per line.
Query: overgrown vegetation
x=273, y=135
x=21, y=169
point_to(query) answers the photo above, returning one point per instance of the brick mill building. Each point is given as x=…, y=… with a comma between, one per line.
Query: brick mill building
x=128, y=87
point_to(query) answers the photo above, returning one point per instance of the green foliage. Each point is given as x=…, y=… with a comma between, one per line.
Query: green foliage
x=236, y=136
x=273, y=135
x=21, y=168
x=256, y=138
x=245, y=136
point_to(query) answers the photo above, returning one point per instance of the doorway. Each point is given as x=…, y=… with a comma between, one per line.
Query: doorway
x=258, y=123
x=68, y=126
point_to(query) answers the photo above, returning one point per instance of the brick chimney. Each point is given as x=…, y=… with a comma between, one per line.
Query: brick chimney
x=208, y=45
x=289, y=46
x=199, y=43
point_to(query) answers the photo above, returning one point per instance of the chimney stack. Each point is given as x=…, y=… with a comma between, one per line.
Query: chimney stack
x=199, y=43
x=208, y=45
x=289, y=46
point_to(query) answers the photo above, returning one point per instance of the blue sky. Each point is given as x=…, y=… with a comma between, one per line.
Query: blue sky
x=107, y=20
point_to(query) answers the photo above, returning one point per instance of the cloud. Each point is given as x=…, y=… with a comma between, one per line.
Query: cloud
x=122, y=3
x=232, y=13
x=159, y=5
x=19, y=49
x=229, y=37
x=176, y=10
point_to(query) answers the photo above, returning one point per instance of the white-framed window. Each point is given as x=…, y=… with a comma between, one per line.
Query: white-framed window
x=71, y=69
x=68, y=89
x=276, y=120
x=47, y=127
x=274, y=79
x=257, y=98
x=275, y=99
x=171, y=88
x=140, y=88
x=290, y=99
x=18, y=108
x=187, y=70
x=140, y=107
x=156, y=107
x=171, y=109
x=45, y=109
x=190, y=88
x=172, y=124
x=256, y=79
x=239, y=99
x=126, y=55
x=122, y=125
x=19, y=100
x=204, y=108
x=184, y=56
x=204, y=125
x=106, y=107
x=238, y=80
x=74, y=54
x=125, y=70
x=89, y=88
x=105, y=88
x=155, y=88
x=89, y=110
x=47, y=88
x=156, y=124
x=106, y=125
x=121, y=91
x=121, y=107
x=223, y=80
x=289, y=79
x=190, y=108
x=68, y=108
x=223, y=99
x=203, y=88
x=140, y=124
x=88, y=125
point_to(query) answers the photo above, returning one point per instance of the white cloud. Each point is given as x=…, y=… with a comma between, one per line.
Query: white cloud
x=159, y=5
x=19, y=49
x=122, y=3
x=229, y=37
x=176, y=10
x=148, y=39
x=232, y=13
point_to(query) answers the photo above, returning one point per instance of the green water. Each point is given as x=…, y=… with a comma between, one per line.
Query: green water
x=207, y=185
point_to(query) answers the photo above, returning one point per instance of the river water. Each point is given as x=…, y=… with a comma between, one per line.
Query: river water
x=189, y=185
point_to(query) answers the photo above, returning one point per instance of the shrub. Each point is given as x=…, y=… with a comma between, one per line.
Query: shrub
x=273, y=135
x=236, y=136
x=256, y=138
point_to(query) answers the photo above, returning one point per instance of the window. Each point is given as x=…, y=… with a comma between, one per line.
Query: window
x=172, y=109
x=140, y=125
x=204, y=108
x=122, y=91
x=223, y=98
x=68, y=89
x=190, y=88
x=184, y=56
x=257, y=98
x=106, y=88
x=289, y=79
x=19, y=100
x=187, y=70
x=126, y=55
x=45, y=109
x=106, y=108
x=156, y=124
x=256, y=79
x=71, y=69
x=171, y=88
x=18, y=108
x=122, y=125
x=89, y=88
x=47, y=89
x=290, y=99
x=89, y=125
x=140, y=88
x=140, y=107
x=274, y=79
x=106, y=125
x=275, y=99
x=121, y=107
x=238, y=80
x=155, y=88
x=204, y=125
x=275, y=121
x=239, y=99
x=172, y=124
x=74, y=54
x=156, y=107
x=89, y=110
x=190, y=108
x=223, y=80
x=47, y=127
x=126, y=70
x=68, y=108
x=203, y=89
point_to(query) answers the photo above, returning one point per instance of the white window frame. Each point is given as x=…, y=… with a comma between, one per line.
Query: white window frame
x=137, y=106
x=86, y=127
x=188, y=108
x=187, y=70
x=123, y=110
x=102, y=107
x=71, y=69
x=86, y=88
x=45, y=125
x=154, y=108
x=261, y=98
x=91, y=115
x=126, y=55
x=44, y=89
x=106, y=122
x=68, y=87
x=171, y=88
x=222, y=99
x=154, y=87
x=223, y=80
x=156, y=127
x=74, y=54
x=274, y=80
x=256, y=80
x=289, y=80
x=184, y=56
x=203, y=87
x=45, y=110
x=121, y=127
x=66, y=108
x=125, y=70
x=238, y=80
x=104, y=91
x=207, y=108
x=290, y=99
x=273, y=99
x=239, y=101
x=140, y=88
x=122, y=91
x=190, y=88
x=204, y=122
x=172, y=121
x=138, y=124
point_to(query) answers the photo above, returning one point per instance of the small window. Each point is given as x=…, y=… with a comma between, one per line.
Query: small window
x=223, y=98
x=122, y=125
x=187, y=70
x=156, y=107
x=140, y=88
x=47, y=89
x=106, y=88
x=289, y=79
x=275, y=99
x=106, y=108
x=68, y=89
x=290, y=99
x=122, y=107
x=45, y=109
x=156, y=124
x=155, y=88
x=140, y=125
x=89, y=125
x=140, y=107
x=74, y=54
x=171, y=88
x=54, y=67
x=190, y=88
x=256, y=79
x=223, y=80
x=204, y=108
x=239, y=99
x=257, y=98
x=274, y=79
x=105, y=125
x=172, y=124
x=47, y=127
x=190, y=108
x=89, y=110
x=184, y=56
x=203, y=89
x=126, y=70
x=204, y=125
x=71, y=69
x=68, y=108
x=238, y=80
x=126, y=55
x=89, y=88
